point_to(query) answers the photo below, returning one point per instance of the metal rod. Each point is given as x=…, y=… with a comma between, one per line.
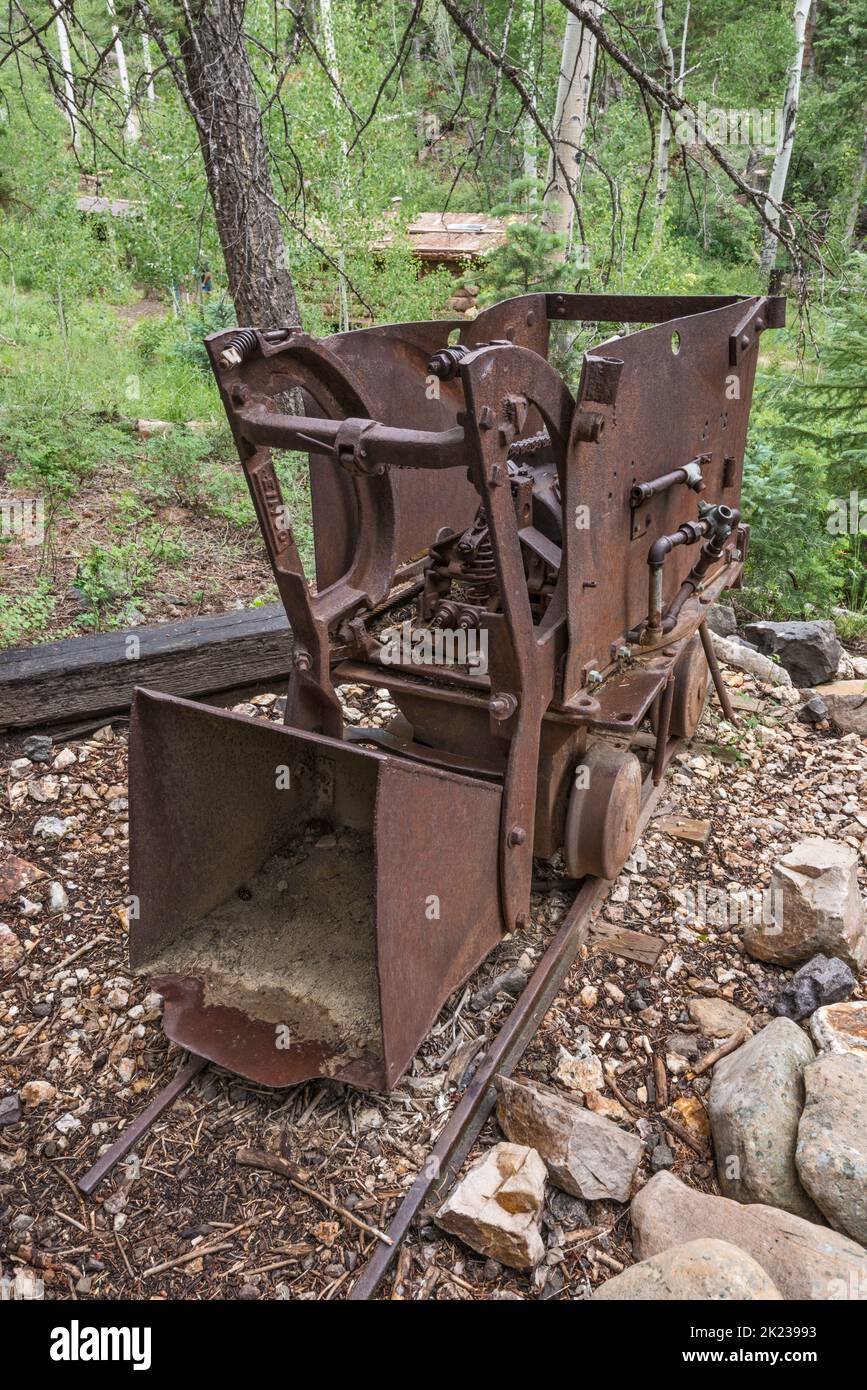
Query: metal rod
x=141, y=1123
x=443, y=1163
x=660, y=757
x=716, y=674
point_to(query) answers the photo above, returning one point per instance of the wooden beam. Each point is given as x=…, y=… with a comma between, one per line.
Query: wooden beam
x=94, y=675
x=632, y=945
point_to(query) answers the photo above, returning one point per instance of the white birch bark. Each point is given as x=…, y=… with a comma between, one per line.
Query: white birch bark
x=785, y=137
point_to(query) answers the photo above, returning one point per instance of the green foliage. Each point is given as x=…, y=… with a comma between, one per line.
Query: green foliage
x=794, y=566
x=27, y=617
x=532, y=258
x=114, y=579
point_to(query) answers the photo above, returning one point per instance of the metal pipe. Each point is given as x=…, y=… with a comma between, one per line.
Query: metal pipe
x=659, y=755
x=690, y=474
x=716, y=674
x=687, y=534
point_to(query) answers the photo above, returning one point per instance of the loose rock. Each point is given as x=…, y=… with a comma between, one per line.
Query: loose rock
x=803, y=1260
x=585, y=1154
x=832, y=1140
x=756, y=1099
x=10, y=1110
x=721, y=619
x=717, y=1018
x=841, y=1027
x=699, y=1269
x=11, y=950
x=53, y=828
x=813, y=711
x=579, y=1073
x=846, y=702
x=823, y=980
x=35, y=1093
x=58, y=900
x=496, y=1209
x=818, y=908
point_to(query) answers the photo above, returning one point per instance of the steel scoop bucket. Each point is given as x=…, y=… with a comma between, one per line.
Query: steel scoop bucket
x=305, y=906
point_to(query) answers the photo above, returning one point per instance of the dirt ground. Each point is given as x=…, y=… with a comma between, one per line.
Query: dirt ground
x=82, y=1050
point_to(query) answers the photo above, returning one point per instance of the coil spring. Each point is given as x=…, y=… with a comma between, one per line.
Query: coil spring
x=244, y=343
x=479, y=568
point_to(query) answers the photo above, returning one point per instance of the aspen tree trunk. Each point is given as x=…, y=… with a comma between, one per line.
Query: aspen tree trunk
x=674, y=85
x=786, y=137
x=131, y=128
x=528, y=129
x=570, y=122
x=334, y=73
x=148, y=70
x=70, y=108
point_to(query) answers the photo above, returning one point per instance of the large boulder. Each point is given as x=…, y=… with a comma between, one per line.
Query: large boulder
x=803, y=1260
x=497, y=1208
x=846, y=703
x=818, y=908
x=841, y=1027
x=810, y=652
x=755, y=1102
x=699, y=1269
x=832, y=1140
x=823, y=980
x=586, y=1154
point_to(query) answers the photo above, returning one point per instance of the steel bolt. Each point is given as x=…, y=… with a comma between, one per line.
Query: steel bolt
x=502, y=706
x=516, y=836
x=302, y=660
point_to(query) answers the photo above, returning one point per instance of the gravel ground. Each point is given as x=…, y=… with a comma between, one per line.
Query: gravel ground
x=82, y=1050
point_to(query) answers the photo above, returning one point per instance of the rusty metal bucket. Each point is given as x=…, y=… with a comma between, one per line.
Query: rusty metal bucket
x=304, y=905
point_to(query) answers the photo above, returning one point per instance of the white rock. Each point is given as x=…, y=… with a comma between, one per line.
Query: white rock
x=582, y=1073
x=497, y=1208
x=58, y=901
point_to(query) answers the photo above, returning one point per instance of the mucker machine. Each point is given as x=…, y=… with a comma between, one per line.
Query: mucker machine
x=311, y=893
